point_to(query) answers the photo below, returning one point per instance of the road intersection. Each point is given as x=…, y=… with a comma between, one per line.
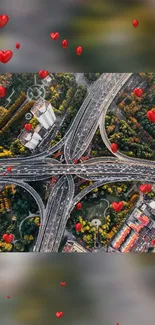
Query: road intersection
x=61, y=201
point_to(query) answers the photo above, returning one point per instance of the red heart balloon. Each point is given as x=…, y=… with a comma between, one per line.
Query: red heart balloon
x=5, y=56
x=138, y=92
x=145, y=188
x=114, y=147
x=8, y=297
x=59, y=314
x=142, y=188
x=153, y=241
x=53, y=180
x=78, y=226
x=79, y=206
x=17, y=46
x=9, y=169
x=2, y=91
x=151, y=116
x=3, y=20
x=8, y=238
x=117, y=206
x=63, y=284
x=28, y=127
x=135, y=23
x=54, y=36
x=64, y=43
x=43, y=73
x=79, y=50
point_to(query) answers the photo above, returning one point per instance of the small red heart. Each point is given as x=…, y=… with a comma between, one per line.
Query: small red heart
x=151, y=115
x=79, y=50
x=2, y=91
x=9, y=169
x=114, y=147
x=59, y=314
x=3, y=20
x=17, y=46
x=78, y=227
x=54, y=36
x=63, y=284
x=8, y=297
x=64, y=43
x=5, y=56
x=79, y=206
x=138, y=92
x=145, y=188
x=135, y=23
x=117, y=206
x=43, y=73
x=8, y=238
x=38, y=224
x=28, y=127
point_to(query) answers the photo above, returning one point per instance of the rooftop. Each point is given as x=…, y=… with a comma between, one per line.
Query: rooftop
x=72, y=246
x=152, y=204
x=40, y=106
x=25, y=136
x=38, y=128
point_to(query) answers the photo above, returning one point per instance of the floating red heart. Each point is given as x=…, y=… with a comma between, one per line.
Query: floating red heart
x=64, y=43
x=53, y=180
x=38, y=224
x=28, y=127
x=2, y=91
x=138, y=92
x=43, y=73
x=151, y=116
x=63, y=284
x=117, y=206
x=3, y=20
x=54, y=36
x=79, y=206
x=8, y=297
x=114, y=147
x=59, y=314
x=5, y=56
x=76, y=161
x=9, y=169
x=17, y=46
x=153, y=241
x=8, y=238
x=135, y=23
x=78, y=226
x=145, y=188
x=79, y=50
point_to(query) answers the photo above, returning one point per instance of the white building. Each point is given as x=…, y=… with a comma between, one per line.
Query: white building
x=29, y=139
x=152, y=204
x=44, y=113
x=47, y=81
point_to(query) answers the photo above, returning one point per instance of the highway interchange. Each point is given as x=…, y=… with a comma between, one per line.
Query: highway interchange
x=61, y=201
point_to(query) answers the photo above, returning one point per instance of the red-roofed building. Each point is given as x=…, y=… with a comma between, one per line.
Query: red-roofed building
x=144, y=219
x=129, y=243
x=123, y=233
